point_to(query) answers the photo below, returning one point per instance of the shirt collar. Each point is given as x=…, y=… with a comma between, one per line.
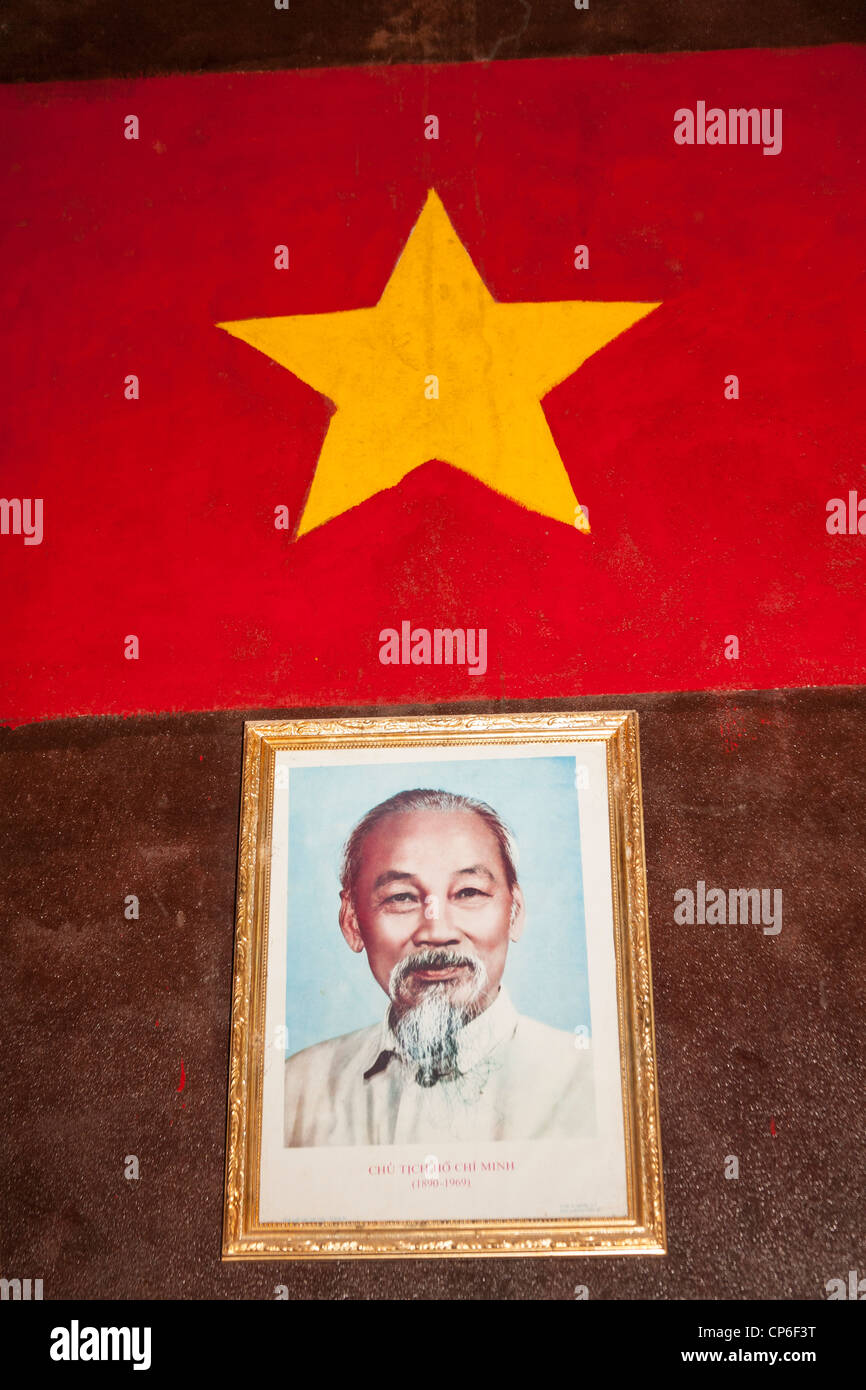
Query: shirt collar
x=477, y=1039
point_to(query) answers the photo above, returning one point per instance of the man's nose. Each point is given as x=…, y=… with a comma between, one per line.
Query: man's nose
x=435, y=925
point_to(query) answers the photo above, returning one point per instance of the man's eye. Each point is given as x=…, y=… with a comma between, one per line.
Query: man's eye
x=401, y=898
x=472, y=893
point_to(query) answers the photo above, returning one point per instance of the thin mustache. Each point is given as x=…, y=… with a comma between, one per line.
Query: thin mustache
x=432, y=959
x=438, y=959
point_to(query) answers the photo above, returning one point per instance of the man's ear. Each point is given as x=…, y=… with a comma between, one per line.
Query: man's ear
x=349, y=924
x=518, y=914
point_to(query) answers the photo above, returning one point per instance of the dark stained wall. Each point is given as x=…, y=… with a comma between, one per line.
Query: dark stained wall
x=754, y=1031
x=43, y=40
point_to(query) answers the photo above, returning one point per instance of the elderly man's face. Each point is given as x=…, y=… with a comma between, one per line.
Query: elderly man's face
x=433, y=882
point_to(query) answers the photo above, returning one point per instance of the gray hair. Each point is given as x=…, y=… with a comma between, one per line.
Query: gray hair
x=425, y=799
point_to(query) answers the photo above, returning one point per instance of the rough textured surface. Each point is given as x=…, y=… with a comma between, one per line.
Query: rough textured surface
x=764, y=789
x=758, y=789
x=709, y=517
x=99, y=38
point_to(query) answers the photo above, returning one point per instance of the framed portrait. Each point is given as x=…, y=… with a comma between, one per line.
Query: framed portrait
x=442, y=1027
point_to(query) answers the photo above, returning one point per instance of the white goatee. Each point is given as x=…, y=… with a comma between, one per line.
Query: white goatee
x=427, y=1026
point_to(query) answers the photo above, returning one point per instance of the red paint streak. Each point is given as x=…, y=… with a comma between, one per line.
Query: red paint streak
x=182, y=1076
x=773, y=1127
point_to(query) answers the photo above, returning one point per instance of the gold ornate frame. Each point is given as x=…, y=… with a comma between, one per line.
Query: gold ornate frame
x=643, y=1230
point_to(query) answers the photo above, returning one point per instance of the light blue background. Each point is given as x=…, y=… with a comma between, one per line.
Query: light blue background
x=330, y=990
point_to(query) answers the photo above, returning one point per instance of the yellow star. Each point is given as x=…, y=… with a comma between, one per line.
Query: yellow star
x=439, y=370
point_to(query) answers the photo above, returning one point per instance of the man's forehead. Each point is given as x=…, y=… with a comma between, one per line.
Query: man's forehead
x=430, y=829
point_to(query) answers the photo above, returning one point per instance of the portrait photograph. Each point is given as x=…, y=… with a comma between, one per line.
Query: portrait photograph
x=442, y=1018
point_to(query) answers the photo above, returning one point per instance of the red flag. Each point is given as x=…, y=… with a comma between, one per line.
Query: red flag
x=162, y=448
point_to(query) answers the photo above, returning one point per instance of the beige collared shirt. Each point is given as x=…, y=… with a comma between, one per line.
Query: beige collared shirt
x=517, y=1079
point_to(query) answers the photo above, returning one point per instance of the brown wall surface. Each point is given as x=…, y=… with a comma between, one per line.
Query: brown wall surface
x=761, y=789
x=44, y=41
